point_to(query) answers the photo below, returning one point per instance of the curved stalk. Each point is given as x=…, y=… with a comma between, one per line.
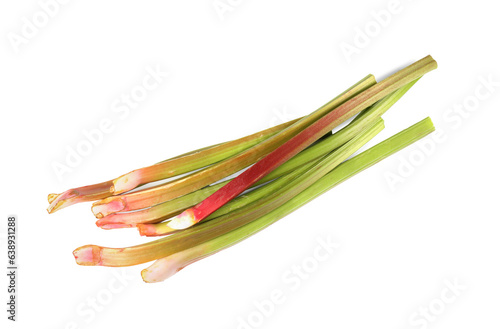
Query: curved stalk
x=168, y=168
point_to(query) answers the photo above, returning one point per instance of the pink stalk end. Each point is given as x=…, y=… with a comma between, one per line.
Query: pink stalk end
x=132, y=218
x=79, y=194
x=102, y=210
x=52, y=196
x=183, y=220
x=63, y=200
x=109, y=221
x=164, y=268
x=161, y=270
x=154, y=230
x=88, y=255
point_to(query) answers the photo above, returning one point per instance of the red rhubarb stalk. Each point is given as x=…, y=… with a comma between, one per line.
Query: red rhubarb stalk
x=199, y=179
x=168, y=168
x=300, y=141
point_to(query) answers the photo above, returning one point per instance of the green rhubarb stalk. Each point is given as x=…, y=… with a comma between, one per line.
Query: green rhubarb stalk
x=176, y=206
x=168, y=266
x=158, y=194
x=165, y=169
x=301, y=141
x=96, y=255
x=160, y=229
x=173, y=207
x=292, y=187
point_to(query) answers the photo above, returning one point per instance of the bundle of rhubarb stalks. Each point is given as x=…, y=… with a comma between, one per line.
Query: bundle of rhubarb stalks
x=200, y=209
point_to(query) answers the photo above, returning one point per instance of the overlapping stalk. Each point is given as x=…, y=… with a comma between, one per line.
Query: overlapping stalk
x=173, y=207
x=288, y=186
x=168, y=168
x=152, y=196
x=287, y=166
x=168, y=266
x=96, y=255
x=300, y=141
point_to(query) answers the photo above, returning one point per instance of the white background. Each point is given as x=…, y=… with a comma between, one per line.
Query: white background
x=235, y=73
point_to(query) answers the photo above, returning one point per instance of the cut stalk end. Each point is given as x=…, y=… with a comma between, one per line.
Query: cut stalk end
x=160, y=271
x=77, y=195
x=52, y=196
x=104, y=207
x=88, y=255
x=184, y=220
x=164, y=268
x=154, y=230
x=60, y=201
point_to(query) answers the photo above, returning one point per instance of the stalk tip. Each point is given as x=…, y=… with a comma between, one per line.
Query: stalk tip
x=154, y=230
x=107, y=207
x=59, y=201
x=88, y=255
x=183, y=220
x=163, y=268
x=51, y=197
x=112, y=221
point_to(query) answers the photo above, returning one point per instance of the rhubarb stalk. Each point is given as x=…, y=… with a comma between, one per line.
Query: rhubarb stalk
x=96, y=255
x=168, y=168
x=149, y=197
x=299, y=142
x=174, y=207
x=165, y=267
